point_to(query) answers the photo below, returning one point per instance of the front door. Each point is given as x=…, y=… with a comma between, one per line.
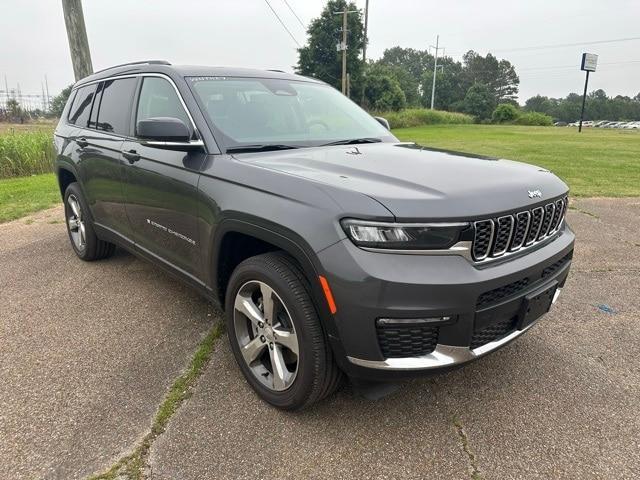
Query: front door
x=161, y=186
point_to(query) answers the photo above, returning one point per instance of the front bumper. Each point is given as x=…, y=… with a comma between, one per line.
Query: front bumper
x=372, y=285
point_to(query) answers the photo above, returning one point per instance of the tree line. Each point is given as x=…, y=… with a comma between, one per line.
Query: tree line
x=598, y=106
x=402, y=78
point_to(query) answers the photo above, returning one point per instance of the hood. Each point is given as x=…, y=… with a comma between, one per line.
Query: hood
x=417, y=183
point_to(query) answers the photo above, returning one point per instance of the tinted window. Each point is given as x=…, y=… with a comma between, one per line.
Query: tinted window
x=158, y=98
x=115, y=104
x=81, y=108
x=93, y=119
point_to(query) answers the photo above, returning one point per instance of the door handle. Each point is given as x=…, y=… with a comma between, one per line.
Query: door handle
x=82, y=142
x=131, y=155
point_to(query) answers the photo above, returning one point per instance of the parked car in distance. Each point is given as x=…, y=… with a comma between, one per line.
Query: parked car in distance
x=332, y=247
x=560, y=124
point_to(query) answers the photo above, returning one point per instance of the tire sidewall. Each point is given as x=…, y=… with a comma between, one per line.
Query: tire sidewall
x=296, y=395
x=91, y=240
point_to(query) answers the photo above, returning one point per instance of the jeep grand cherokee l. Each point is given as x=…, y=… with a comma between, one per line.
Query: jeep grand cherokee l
x=332, y=247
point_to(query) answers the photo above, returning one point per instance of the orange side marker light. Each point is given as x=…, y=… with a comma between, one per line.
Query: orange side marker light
x=328, y=295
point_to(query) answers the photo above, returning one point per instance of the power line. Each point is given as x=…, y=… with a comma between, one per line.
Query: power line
x=294, y=14
x=282, y=23
x=565, y=45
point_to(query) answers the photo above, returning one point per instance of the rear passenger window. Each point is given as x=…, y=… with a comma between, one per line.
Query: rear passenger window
x=93, y=120
x=81, y=108
x=158, y=98
x=115, y=104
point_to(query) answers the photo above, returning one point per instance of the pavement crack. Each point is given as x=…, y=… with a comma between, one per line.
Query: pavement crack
x=474, y=471
x=584, y=212
x=135, y=465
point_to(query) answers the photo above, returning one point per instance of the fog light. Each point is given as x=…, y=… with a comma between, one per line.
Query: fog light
x=389, y=322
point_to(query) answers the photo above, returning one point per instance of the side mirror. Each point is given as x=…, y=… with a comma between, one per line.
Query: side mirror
x=166, y=132
x=384, y=122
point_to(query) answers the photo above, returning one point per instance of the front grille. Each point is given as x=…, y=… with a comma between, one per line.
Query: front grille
x=554, y=267
x=497, y=294
x=494, y=237
x=493, y=332
x=407, y=341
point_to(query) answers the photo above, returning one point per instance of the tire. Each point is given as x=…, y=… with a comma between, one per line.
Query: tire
x=310, y=377
x=83, y=238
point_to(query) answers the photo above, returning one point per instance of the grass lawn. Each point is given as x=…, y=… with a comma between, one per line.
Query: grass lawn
x=25, y=195
x=594, y=163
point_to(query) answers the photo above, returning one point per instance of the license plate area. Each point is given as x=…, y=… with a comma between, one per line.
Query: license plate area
x=536, y=304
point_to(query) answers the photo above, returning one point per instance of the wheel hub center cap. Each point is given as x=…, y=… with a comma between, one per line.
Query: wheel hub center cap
x=268, y=332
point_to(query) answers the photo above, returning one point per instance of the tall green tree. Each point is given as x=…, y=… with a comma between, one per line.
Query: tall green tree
x=498, y=75
x=382, y=92
x=321, y=59
x=408, y=84
x=479, y=101
x=59, y=101
x=450, y=84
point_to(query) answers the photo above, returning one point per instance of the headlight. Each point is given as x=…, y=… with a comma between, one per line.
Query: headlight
x=403, y=236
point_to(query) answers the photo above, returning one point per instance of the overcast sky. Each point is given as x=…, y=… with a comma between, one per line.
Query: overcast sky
x=33, y=40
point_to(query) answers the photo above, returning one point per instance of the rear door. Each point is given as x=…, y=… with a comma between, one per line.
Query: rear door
x=161, y=185
x=101, y=160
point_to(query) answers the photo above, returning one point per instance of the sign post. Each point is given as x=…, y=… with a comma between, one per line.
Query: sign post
x=589, y=64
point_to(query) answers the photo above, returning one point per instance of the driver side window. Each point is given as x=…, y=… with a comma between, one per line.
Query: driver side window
x=158, y=98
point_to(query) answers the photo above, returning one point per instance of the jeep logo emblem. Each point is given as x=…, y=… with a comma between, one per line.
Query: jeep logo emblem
x=534, y=193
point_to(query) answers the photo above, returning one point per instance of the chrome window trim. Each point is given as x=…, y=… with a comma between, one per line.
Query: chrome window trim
x=153, y=143
x=148, y=74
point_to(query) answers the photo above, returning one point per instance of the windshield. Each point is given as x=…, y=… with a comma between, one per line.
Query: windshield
x=258, y=112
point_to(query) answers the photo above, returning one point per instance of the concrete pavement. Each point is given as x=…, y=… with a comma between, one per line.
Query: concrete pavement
x=88, y=350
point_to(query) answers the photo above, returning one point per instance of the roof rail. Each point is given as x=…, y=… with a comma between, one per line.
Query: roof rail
x=142, y=62
x=275, y=70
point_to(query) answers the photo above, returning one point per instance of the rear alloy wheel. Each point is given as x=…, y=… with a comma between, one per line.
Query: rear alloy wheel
x=80, y=227
x=276, y=335
x=75, y=221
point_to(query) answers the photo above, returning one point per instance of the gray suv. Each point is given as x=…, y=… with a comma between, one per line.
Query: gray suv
x=333, y=248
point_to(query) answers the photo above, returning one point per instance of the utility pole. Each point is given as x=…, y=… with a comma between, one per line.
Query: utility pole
x=435, y=69
x=77, y=35
x=46, y=84
x=366, y=30
x=343, y=45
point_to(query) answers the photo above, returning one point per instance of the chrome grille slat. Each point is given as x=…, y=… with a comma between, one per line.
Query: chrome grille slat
x=523, y=219
x=536, y=224
x=502, y=238
x=482, y=238
x=549, y=211
x=495, y=237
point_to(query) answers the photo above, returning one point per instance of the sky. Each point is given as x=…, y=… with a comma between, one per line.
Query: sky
x=533, y=35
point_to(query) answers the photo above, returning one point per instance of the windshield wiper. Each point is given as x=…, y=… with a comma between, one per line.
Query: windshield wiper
x=267, y=147
x=353, y=141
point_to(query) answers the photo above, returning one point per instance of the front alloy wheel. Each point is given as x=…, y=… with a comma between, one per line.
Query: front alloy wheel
x=266, y=335
x=275, y=333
